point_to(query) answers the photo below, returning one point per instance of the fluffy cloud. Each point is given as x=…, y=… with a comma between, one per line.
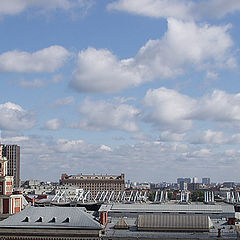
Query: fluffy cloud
x=218, y=106
x=102, y=115
x=181, y=9
x=154, y=8
x=14, y=7
x=185, y=45
x=53, y=124
x=14, y=117
x=209, y=137
x=46, y=60
x=169, y=110
x=101, y=71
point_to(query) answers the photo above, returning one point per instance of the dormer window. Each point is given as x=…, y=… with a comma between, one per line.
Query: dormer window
x=26, y=219
x=53, y=220
x=40, y=219
x=67, y=220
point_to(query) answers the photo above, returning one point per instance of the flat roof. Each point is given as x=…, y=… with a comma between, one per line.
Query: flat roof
x=168, y=208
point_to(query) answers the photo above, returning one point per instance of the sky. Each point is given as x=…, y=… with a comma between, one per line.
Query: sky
x=149, y=88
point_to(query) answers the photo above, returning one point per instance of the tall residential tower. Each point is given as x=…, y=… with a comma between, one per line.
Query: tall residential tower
x=12, y=153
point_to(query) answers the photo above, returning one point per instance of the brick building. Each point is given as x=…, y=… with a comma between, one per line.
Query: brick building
x=95, y=183
x=10, y=202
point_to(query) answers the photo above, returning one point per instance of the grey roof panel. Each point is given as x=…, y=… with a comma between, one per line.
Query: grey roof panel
x=76, y=216
x=174, y=223
x=201, y=208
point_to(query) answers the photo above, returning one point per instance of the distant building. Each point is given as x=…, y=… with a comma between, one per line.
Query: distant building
x=229, y=184
x=206, y=181
x=193, y=186
x=183, y=186
x=186, y=180
x=95, y=183
x=12, y=153
x=194, y=180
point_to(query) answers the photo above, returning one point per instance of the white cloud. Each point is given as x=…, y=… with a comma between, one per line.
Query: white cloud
x=66, y=145
x=167, y=136
x=181, y=9
x=102, y=115
x=169, y=110
x=54, y=124
x=46, y=60
x=101, y=71
x=105, y=148
x=154, y=8
x=209, y=137
x=14, y=117
x=185, y=45
x=14, y=7
x=63, y=101
x=218, y=106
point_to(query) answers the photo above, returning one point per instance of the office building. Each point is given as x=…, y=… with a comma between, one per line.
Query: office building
x=206, y=181
x=194, y=180
x=183, y=186
x=186, y=180
x=95, y=183
x=12, y=153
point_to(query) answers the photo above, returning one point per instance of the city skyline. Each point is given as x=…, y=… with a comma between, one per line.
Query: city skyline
x=148, y=88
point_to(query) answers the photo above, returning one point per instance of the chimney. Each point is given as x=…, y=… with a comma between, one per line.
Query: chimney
x=103, y=218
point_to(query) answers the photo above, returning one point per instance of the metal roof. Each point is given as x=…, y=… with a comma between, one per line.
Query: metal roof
x=51, y=217
x=196, y=208
x=169, y=222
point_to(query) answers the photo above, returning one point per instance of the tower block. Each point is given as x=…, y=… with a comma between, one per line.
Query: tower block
x=10, y=203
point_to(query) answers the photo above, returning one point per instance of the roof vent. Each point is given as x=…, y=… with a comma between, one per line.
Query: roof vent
x=26, y=219
x=53, y=220
x=40, y=219
x=67, y=220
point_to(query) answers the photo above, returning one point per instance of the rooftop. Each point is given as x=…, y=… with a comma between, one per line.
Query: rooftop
x=51, y=217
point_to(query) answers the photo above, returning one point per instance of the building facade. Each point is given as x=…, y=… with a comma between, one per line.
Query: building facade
x=12, y=153
x=10, y=202
x=206, y=181
x=186, y=180
x=95, y=183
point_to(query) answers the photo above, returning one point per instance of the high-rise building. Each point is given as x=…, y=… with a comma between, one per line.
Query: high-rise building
x=186, y=180
x=194, y=179
x=206, y=181
x=12, y=153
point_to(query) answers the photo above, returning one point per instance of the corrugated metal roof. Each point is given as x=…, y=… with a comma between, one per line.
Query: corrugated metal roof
x=196, y=208
x=174, y=223
x=51, y=217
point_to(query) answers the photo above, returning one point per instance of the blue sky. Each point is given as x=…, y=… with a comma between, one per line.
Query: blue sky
x=145, y=87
